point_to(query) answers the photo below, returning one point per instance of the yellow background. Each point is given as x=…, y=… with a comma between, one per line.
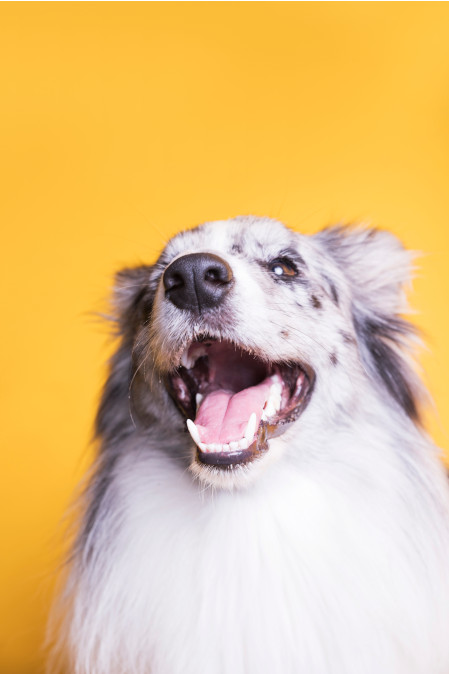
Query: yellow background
x=120, y=124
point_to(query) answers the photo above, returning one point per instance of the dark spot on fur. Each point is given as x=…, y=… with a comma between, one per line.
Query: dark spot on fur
x=237, y=249
x=347, y=338
x=333, y=290
x=333, y=359
x=298, y=304
x=315, y=302
x=285, y=334
x=380, y=340
x=334, y=294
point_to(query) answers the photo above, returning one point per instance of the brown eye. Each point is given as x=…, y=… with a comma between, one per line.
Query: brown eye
x=283, y=268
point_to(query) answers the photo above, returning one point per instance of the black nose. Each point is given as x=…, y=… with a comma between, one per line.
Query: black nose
x=197, y=281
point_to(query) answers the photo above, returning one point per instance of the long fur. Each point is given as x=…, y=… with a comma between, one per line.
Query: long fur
x=330, y=555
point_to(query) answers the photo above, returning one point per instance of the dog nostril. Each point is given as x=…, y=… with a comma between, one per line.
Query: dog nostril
x=172, y=281
x=216, y=275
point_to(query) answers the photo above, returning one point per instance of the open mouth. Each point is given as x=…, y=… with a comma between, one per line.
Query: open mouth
x=234, y=401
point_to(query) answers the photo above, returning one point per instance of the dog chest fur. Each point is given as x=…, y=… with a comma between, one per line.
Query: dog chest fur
x=272, y=581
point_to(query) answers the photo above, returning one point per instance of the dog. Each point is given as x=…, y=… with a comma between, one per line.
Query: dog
x=265, y=500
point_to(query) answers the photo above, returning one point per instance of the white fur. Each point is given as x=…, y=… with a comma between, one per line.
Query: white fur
x=329, y=556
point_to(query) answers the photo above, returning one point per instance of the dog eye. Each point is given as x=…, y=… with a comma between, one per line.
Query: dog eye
x=282, y=267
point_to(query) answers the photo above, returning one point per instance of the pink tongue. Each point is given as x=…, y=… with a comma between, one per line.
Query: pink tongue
x=223, y=415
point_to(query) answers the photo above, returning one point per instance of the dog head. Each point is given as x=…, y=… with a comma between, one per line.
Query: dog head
x=245, y=332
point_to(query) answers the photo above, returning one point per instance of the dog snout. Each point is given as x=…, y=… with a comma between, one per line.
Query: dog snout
x=197, y=281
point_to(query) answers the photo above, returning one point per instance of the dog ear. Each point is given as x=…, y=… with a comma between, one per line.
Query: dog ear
x=132, y=302
x=132, y=297
x=378, y=267
x=375, y=263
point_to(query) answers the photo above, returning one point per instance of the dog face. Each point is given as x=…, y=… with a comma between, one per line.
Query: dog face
x=246, y=331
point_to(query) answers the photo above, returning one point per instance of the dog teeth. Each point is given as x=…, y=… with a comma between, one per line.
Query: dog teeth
x=274, y=401
x=217, y=447
x=269, y=410
x=186, y=361
x=194, y=432
x=198, y=399
x=251, y=428
x=299, y=383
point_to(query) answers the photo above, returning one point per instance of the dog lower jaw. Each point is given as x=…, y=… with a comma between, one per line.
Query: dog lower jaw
x=229, y=460
x=236, y=476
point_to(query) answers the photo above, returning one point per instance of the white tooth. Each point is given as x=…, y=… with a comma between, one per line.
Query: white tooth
x=233, y=446
x=203, y=447
x=275, y=401
x=276, y=392
x=214, y=447
x=225, y=447
x=194, y=432
x=277, y=389
x=299, y=384
x=270, y=409
x=198, y=399
x=186, y=361
x=268, y=412
x=243, y=444
x=251, y=427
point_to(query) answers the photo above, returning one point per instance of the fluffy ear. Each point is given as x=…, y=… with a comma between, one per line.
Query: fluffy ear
x=374, y=261
x=132, y=296
x=132, y=302
x=377, y=267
